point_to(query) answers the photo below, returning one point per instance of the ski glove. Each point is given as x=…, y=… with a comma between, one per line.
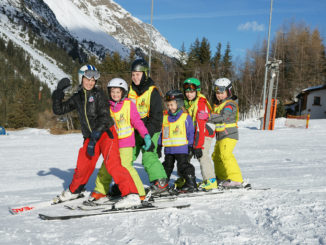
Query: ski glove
x=198, y=153
x=63, y=84
x=159, y=151
x=148, y=142
x=58, y=95
x=190, y=150
x=92, y=142
x=110, y=134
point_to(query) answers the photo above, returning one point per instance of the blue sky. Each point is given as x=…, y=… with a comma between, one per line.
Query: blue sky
x=243, y=23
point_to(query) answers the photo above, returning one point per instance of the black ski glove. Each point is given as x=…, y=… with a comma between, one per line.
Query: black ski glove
x=58, y=95
x=92, y=142
x=63, y=84
x=198, y=153
x=159, y=151
x=110, y=134
x=190, y=150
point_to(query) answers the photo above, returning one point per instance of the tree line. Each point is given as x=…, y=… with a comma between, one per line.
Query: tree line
x=301, y=50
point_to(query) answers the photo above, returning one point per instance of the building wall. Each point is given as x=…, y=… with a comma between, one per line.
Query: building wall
x=316, y=111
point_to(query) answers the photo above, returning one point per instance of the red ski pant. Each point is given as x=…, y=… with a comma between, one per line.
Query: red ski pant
x=109, y=148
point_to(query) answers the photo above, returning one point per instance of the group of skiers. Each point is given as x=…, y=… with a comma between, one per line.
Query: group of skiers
x=185, y=130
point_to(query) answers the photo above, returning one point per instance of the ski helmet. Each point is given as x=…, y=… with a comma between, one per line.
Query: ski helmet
x=191, y=84
x=176, y=95
x=88, y=71
x=140, y=65
x=118, y=83
x=223, y=84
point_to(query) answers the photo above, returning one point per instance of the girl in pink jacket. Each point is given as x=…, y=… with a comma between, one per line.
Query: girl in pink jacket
x=126, y=118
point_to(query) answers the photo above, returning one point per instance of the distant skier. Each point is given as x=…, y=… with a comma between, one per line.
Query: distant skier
x=127, y=119
x=177, y=138
x=225, y=116
x=100, y=137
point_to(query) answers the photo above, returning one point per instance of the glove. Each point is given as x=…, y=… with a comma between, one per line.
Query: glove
x=190, y=149
x=148, y=142
x=110, y=134
x=63, y=84
x=159, y=151
x=92, y=142
x=58, y=95
x=198, y=153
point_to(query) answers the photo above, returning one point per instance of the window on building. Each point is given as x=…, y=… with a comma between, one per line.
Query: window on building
x=316, y=100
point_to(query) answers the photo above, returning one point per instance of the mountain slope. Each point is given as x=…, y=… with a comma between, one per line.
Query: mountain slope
x=94, y=19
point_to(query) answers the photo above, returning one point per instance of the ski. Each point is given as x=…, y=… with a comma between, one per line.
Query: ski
x=141, y=208
x=37, y=205
x=108, y=202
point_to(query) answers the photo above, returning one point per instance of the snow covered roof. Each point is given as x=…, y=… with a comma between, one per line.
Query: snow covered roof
x=310, y=89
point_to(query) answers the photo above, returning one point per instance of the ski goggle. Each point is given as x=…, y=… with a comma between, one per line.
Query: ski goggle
x=189, y=87
x=220, y=89
x=89, y=74
x=172, y=97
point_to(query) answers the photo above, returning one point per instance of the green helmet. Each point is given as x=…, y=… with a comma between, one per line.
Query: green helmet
x=191, y=84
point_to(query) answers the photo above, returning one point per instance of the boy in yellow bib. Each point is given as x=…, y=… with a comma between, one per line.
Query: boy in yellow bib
x=177, y=137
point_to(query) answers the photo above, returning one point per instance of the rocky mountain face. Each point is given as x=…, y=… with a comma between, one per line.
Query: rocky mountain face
x=80, y=27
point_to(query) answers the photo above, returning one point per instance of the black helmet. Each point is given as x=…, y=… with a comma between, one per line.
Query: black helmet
x=176, y=95
x=140, y=65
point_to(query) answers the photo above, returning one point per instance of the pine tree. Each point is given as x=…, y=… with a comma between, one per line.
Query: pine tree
x=227, y=62
x=216, y=61
x=204, y=51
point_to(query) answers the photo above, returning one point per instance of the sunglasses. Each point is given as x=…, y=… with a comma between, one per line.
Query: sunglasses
x=90, y=74
x=220, y=89
x=189, y=87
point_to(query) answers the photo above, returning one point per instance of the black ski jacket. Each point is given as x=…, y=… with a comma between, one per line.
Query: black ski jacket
x=92, y=107
x=153, y=122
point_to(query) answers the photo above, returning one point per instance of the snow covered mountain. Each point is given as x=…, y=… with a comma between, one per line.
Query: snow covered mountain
x=93, y=20
x=81, y=28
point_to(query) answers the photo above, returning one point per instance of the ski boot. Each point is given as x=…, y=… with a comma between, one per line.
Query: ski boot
x=230, y=184
x=190, y=184
x=179, y=183
x=129, y=201
x=160, y=187
x=67, y=195
x=208, y=184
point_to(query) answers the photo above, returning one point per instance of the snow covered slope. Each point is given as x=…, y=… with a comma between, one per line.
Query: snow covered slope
x=35, y=166
x=98, y=20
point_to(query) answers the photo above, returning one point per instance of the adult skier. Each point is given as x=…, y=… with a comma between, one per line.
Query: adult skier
x=149, y=105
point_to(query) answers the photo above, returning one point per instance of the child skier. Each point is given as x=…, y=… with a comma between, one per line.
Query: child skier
x=199, y=109
x=177, y=138
x=126, y=118
x=149, y=105
x=225, y=117
x=100, y=137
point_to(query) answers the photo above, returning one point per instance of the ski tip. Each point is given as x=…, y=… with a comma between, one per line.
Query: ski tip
x=183, y=206
x=43, y=217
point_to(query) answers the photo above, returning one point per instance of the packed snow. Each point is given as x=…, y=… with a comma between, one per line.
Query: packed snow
x=36, y=166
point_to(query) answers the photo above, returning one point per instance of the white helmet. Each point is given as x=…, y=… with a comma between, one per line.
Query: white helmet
x=223, y=84
x=88, y=71
x=118, y=83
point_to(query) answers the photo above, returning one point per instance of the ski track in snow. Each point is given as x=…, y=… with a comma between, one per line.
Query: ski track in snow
x=36, y=166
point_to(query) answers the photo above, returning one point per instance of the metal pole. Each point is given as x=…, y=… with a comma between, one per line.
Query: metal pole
x=150, y=41
x=267, y=57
